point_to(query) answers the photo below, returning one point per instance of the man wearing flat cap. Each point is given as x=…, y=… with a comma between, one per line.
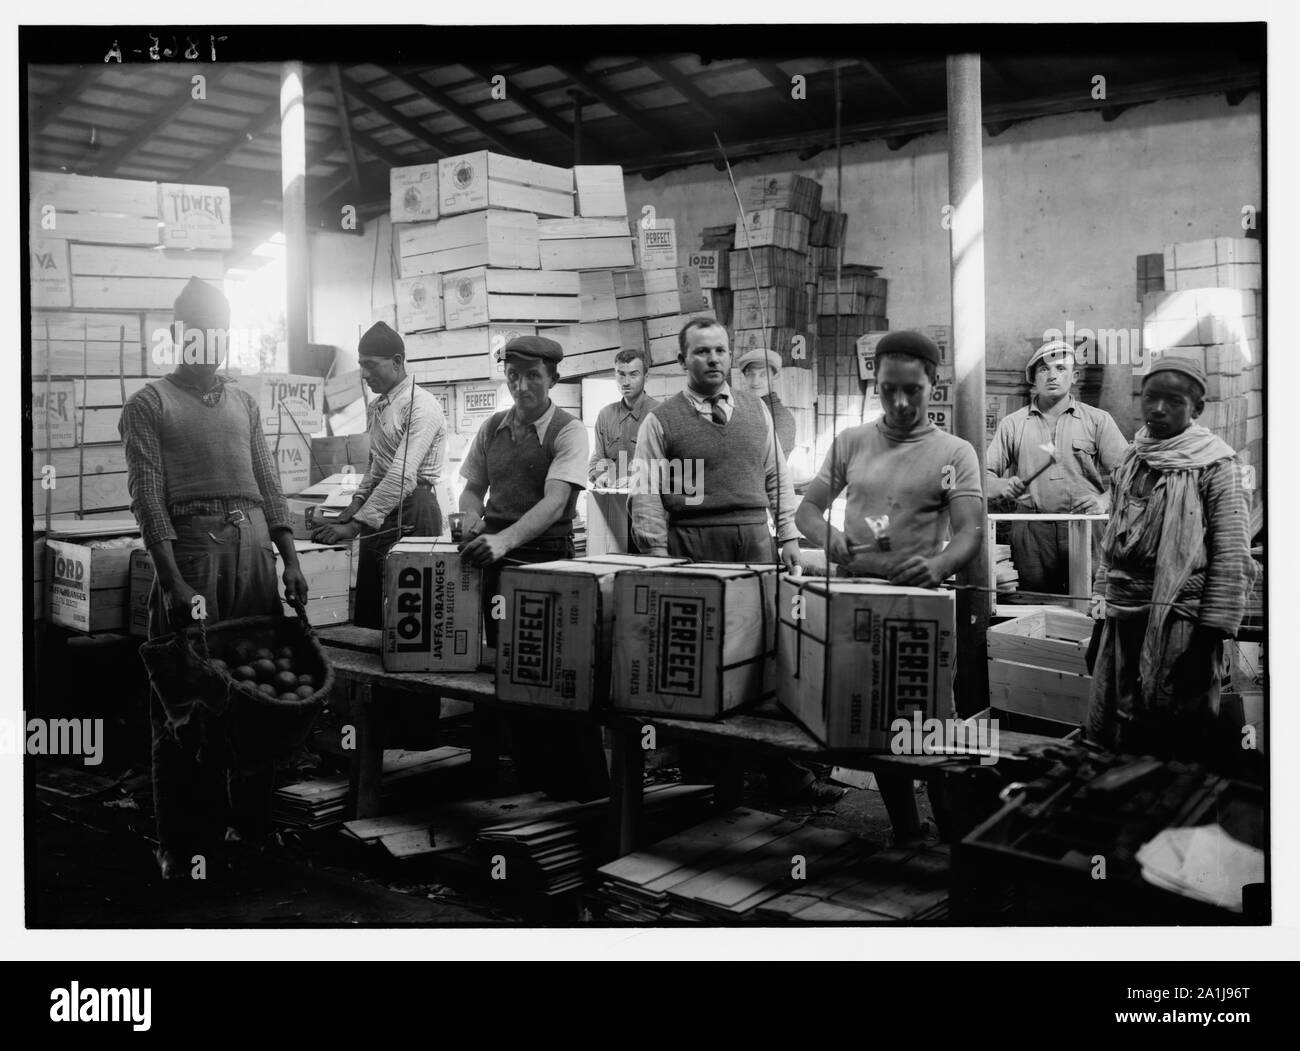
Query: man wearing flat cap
x=206, y=493
x=760, y=368
x=1071, y=479
x=397, y=496
x=530, y=462
x=908, y=488
x=1173, y=577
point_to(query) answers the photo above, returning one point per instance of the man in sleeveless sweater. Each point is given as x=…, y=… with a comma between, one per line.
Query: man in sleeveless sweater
x=740, y=476
x=531, y=462
x=206, y=493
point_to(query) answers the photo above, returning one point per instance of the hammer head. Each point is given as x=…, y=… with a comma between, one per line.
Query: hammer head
x=1050, y=449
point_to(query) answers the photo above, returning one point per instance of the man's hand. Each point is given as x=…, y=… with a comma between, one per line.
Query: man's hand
x=603, y=476
x=1016, y=488
x=840, y=553
x=917, y=572
x=659, y=552
x=1088, y=504
x=337, y=533
x=485, y=549
x=790, y=556
x=295, y=586
x=178, y=604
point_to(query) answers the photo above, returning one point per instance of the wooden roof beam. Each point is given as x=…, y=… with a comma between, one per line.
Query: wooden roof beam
x=394, y=115
x=612, y=100
x=345, y=126
x=524, y=101
x=49, y=107
x=462, y=113
x=898, y=94
x=683, y=86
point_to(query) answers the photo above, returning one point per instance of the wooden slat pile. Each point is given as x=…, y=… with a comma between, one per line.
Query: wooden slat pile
x=559, y=853
x=320, y=803
x=719, y=871
x=447, y=827
x=899, y=884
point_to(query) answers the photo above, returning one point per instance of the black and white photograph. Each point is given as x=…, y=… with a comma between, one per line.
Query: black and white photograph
x=719, y=477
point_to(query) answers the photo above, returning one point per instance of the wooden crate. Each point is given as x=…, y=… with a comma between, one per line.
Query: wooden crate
x=587, y=348
x=555, y=642
x=85, y=208
x=596, y=296
x=413, y=193
x=431, y=609
x=1036, y=665
x=852, y=657
x=495, y=237
x=483, y=295
x=599, y=189
x=776, y=307
x=419, y=303
x=122, y=261
x=455, y=355
x=195, y=216
x=88, y=588
x=472, y=181
x=771, y=226
x=51, y=278
x=690, y=640
x=125, y=293
x=788, y=191
x=771, y=266
x=584, y=244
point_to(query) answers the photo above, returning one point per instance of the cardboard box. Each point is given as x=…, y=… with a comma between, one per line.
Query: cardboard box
x=599, y=189
x=431, y=609
x=54, y=414
x=284, y=400
x=498, y=238
x=691, y=641
x=476, y=403
x=483, y=295
x=711, y=266
x=342, y=390
x=51, y=277
x=413, y=193
x=141, y=577
x=657, y=245
x=292, y=454
x=862, y=655
x=89, y=587
x=478, y=180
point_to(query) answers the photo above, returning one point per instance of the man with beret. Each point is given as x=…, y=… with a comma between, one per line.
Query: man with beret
x=206, y=493
x=760, y=369
x=530, y=461
x=1173, y=577
x=1088, y=446
x=918, y=484
x=396, y=497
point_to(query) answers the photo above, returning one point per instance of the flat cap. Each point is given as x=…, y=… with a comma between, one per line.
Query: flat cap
x=202, y=305
x=1049, y=351
x=1187, y=366
x=380, y=341
x=913, y=344
x=534, y=347
x=758, y=356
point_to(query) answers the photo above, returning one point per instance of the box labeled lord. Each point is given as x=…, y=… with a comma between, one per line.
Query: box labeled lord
x=431, y=609
x=692, y=641
x=854, y=656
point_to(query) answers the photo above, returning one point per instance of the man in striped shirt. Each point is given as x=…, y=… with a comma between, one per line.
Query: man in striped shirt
x=1173, y=577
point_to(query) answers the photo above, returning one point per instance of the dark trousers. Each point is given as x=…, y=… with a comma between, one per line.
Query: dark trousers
x=731, y=543
x=198, y=786
x=421, y=516
x=561, y=757
x=1041, y=552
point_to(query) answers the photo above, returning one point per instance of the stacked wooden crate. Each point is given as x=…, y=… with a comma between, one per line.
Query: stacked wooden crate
x=1037, y=666
x=108, y=259
x=1211, y=312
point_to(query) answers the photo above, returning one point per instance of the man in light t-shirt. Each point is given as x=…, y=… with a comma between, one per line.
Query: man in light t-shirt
x=927, y=483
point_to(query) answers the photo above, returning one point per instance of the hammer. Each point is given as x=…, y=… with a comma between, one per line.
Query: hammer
x=1050, y=449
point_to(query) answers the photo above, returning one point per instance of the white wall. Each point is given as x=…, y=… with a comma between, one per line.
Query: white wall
x=351, y=285
x=1069, y=202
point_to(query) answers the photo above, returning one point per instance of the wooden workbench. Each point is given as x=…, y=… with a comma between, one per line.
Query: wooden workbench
x=761, y=731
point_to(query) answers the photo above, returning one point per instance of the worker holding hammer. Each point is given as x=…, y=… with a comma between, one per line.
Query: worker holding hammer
x=1054, y=456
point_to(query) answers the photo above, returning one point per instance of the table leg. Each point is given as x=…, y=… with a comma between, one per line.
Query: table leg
x=368, y=762
x=484, y=746
x=898, y=793
x=626, y=777
x=729, y=786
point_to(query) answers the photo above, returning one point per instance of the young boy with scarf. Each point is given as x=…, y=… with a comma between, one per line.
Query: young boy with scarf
x=1173, y=577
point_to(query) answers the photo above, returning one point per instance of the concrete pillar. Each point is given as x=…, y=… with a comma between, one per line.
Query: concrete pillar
x=966, y=196
x=293, y=183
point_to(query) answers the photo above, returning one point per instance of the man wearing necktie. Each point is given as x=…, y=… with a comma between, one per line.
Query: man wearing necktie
x=740, y=476
x=531, y=463
x=407, y=441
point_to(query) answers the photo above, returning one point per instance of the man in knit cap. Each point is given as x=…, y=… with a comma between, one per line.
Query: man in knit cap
x=396, y=497
x=206, y=493
x=908, y=487
x=1173, y=577
x=760, y=369
x=1088, y=446
x=523, y=473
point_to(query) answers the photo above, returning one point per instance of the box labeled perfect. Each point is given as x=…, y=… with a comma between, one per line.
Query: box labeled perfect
x=431, y=609
x=691, y=640
x=854, y=656
x=554, y=646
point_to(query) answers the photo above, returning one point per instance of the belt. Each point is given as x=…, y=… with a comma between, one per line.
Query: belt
x=234, y=517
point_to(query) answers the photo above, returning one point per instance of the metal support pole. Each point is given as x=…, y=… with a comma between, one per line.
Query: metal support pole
x=293, y=183
x=966, y=196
